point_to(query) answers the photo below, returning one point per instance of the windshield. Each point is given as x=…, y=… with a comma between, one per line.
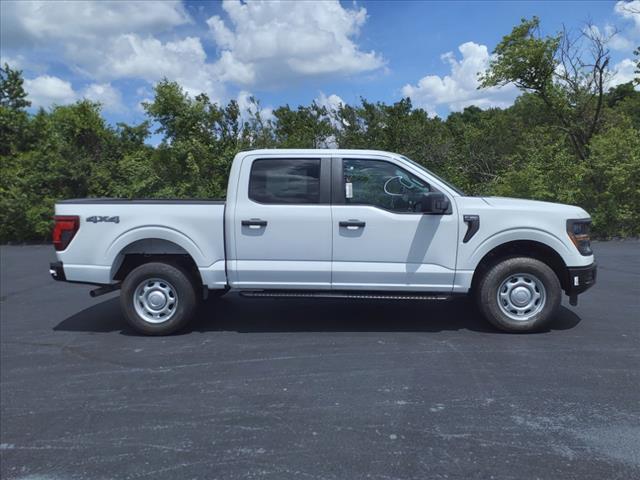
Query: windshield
x=452, y=187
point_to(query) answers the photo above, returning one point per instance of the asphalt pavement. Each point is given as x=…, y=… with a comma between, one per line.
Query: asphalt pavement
x=317, y=389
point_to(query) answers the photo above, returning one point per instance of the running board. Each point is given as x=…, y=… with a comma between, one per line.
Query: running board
x=352, y=295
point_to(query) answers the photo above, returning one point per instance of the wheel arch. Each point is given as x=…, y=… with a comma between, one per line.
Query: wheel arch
x=524, y=248
x=146, y=250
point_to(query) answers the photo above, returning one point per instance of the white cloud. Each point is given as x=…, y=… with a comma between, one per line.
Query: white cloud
x=615, y=39
x=230, y=69
x=629, y=11
x=113, y=40
x=278, y=42
x=45, y=90
x=459, y=89
x=16, y=63
x=106, y=94
x=22, y=62
x=266, y=43
x=623, y=73
x=246, y=102
x=619, y=42
x=625, y=39
x=43, y=21
x=147, y=58
x=249, y=106
x=332, y=102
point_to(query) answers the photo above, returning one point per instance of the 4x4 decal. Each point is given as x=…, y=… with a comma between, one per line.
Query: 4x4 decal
x=98, y=219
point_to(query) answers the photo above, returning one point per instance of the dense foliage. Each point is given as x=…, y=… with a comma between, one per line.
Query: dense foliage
x=561, y=141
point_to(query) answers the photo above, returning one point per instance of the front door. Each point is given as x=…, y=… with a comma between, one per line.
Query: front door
x=282, y=224
x=379, y=241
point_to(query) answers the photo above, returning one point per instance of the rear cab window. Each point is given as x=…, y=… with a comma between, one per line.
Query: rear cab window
x=285, y=181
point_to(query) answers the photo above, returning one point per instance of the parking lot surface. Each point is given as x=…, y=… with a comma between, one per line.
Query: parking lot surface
x=317, y=389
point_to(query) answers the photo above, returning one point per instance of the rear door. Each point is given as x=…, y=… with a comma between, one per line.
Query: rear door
x=379, y=241
x=282, y=224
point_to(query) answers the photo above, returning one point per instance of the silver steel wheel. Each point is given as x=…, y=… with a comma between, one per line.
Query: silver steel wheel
x=521, y=296
x=155, y=300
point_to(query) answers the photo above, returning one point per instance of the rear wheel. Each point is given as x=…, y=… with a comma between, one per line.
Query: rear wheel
x=519, y=294
x=158, y=298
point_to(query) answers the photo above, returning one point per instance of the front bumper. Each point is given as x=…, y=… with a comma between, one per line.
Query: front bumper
x=57, y=271
x=581, y=279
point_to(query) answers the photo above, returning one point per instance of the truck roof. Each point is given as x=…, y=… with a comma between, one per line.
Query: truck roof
x=318, y=151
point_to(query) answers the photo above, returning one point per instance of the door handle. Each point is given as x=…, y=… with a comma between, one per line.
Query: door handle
x=352, y=224
x=254, y=223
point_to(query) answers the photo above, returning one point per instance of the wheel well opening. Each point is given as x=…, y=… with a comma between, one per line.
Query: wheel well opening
x=153, y=250
x=524, y=248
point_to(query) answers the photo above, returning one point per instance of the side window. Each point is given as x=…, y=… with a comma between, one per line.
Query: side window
x=285, y=181
x=382, y=184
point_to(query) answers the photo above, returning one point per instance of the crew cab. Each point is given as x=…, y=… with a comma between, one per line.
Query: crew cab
x=327, y=223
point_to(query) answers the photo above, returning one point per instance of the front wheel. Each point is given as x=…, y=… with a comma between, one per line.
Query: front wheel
x=158, y=298
x=519, y=294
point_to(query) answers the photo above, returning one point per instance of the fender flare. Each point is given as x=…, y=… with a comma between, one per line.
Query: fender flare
x=517, y=234
x=153, y=232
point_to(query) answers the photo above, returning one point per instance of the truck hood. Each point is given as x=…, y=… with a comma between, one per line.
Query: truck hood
x=519, y=204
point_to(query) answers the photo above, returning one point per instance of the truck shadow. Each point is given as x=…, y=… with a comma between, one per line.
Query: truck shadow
x=245, y=315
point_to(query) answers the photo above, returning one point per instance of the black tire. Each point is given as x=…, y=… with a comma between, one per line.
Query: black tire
x=170, y=281
x=516, y=271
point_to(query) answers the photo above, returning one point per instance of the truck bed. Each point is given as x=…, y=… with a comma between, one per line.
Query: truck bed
x=147, y=201
x=111, y=228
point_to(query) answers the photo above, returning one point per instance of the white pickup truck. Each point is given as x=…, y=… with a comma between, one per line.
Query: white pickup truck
x=327, y=223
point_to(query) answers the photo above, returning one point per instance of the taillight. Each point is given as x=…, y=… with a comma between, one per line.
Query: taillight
x=64, y=230
x=579, y=232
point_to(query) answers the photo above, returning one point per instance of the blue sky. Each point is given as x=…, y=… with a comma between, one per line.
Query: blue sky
x=292, y=52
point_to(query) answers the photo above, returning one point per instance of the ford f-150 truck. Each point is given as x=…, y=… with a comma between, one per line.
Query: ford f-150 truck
x=327, y=223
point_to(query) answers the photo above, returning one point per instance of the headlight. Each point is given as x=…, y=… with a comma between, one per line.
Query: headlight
x=579, y=233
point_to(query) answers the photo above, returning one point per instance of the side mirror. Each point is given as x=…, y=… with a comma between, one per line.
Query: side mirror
x=434, y=202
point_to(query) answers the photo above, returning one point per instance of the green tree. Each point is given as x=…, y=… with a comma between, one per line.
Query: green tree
x=71, y=156
x=14, y=137
x=200, y=139
x=71, y=151
x=482, y=142
x=12, y=93
x=624, y=99
x=636, y=80
x=568, y=74
x=615, y=171
x=399, y=128
x=305, y=127
x=13, y=117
